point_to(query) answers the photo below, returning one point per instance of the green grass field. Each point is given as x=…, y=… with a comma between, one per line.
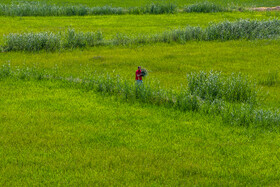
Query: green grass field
x=167, y=64
x=54, y=133
x=129, y=24
x=48, y=138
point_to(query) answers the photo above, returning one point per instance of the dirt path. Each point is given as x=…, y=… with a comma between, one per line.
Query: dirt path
x=277, y=8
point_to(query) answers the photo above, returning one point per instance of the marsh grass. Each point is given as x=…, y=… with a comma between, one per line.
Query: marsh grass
x=205, y=7
x=50, y=41
x=212, y=86
x=242, y=29
x=43, y=9
x=231, y=98
x=32, y=42
x=155, y=8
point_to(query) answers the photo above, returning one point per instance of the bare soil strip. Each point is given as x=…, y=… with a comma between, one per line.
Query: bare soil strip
x=277, y=8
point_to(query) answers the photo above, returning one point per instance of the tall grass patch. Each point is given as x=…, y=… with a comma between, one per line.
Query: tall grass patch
x=50, y=41
x=205, y=7
x=155, y=8
x=32, y=42
x=212, y=86
x=38, y=8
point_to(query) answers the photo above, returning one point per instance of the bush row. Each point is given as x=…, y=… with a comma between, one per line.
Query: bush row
x=38, y=8
x=232, y=110
x=43, y=9
x=50, y=41
x=242, y=29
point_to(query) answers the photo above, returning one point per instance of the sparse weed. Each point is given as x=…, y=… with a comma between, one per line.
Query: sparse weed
x=5, y=71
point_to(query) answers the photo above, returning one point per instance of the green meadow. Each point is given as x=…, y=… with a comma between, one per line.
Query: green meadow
x=56, y=132
x=53, y=134
x=128, y=24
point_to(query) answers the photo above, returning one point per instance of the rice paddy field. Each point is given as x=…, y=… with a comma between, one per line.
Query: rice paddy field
x=207, y=113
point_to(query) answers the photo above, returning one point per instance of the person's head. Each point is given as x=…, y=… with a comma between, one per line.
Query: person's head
x=139, y=67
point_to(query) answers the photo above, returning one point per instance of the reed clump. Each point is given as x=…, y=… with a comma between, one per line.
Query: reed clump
x=50, y=41
x=212, y=86
x=205, y=7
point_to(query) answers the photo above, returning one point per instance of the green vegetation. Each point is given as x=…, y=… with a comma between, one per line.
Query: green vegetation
x=126, y=24
x=130, y=3
x=206, y=7
x=206, y=115
x=254, y=58
x=271, y=79
x=72, y=137
x=43, y=9
x=38, y=8
x=242, y=29
x=208, y=93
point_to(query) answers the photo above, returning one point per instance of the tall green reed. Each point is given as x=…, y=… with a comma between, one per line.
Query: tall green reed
x=205, y=7
x=50, y=41
x=212, y=86
x=43, y=9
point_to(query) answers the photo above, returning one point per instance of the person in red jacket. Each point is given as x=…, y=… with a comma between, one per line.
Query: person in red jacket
x=138, y=75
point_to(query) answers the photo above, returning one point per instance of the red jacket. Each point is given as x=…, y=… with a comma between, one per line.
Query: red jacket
x=138, y=72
